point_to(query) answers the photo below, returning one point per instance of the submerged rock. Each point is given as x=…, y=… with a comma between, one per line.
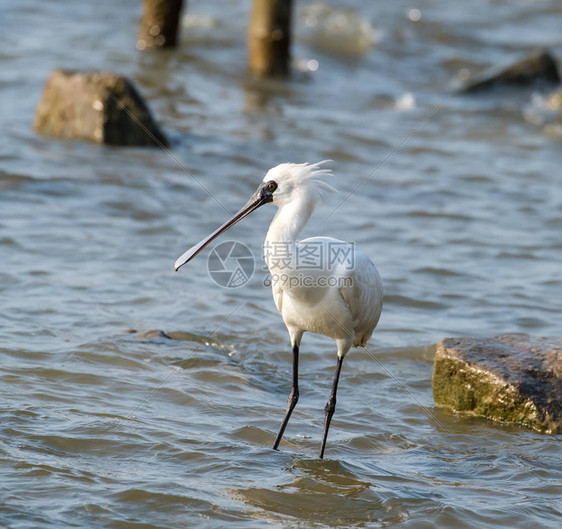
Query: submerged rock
x=537, y=67
x=96, y=106
x=512, y=378
x=151, y=335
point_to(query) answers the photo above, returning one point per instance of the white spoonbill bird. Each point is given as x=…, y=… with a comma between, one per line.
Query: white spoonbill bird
x=320, y=285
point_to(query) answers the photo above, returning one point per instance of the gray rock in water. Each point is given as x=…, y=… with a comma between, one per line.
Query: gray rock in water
x=151, y=335
x=96, y=106
x=512, y=378
x=537, y=67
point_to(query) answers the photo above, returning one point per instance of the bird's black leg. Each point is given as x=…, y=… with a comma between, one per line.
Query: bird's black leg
x=293, y=397
x=331, y=406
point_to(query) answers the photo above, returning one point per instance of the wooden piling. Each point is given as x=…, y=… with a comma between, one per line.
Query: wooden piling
x=269, y=38
x=159, y=24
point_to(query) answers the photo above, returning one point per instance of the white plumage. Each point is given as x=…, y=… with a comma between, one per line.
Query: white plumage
x=346, y=311
x=320, y=284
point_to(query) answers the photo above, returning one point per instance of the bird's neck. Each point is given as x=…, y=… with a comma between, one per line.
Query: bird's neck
x=288, y=223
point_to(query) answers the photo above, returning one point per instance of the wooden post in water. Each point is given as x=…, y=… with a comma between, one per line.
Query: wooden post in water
x=159, y=24
x=269, y=38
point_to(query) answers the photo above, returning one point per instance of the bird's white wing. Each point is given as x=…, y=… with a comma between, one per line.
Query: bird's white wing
x=364, y=294
x=364, y=297
x=277, y=292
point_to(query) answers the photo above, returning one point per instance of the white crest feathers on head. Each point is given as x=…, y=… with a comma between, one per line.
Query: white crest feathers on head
x=290, y=176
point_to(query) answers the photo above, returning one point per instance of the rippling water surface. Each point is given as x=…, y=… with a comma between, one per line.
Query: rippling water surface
x=462, y=213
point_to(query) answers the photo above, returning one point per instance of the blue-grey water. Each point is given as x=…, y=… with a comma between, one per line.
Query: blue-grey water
x=460, y=207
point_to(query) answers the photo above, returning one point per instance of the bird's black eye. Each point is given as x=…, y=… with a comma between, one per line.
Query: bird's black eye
x=272, y=186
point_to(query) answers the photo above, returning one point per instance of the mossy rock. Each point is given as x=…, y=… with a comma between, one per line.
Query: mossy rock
x=96, y=106
x=511, y=378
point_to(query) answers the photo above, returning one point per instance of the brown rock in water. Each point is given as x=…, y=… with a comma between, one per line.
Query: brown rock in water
x=151, y=335
x=512, y=378
x=536, y=67
x=96, y=106
x=159, y=24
